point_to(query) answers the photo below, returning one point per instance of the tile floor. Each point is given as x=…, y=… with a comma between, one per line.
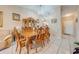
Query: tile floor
x=55, y=46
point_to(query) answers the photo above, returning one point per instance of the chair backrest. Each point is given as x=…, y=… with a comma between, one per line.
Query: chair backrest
x=47, y=34
x=39, y=39
x=16, y=34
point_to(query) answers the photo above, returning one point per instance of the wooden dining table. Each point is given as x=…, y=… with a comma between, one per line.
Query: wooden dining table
x=27, y=34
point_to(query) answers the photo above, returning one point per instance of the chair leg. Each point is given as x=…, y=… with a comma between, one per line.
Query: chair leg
x=20, y=50
x=16, y=49
x=36, y=50
x=30, y=46
x=43, y=44
x=48, y=41
x=27, y=46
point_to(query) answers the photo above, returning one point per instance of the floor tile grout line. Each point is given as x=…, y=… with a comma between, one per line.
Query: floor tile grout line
x=59, y=46
x=69, y=46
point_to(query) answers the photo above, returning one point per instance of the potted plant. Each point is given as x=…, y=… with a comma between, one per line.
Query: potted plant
x=76, y=48
x=77, y=43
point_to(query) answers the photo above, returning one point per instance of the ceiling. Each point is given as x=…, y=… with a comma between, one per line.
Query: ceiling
x=41, y=9
x=69, y=9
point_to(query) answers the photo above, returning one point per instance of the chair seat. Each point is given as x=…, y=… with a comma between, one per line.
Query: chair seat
x=22, y=43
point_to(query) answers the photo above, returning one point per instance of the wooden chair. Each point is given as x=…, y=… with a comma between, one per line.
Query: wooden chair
x=39, y=41
x=31, y=40
x=46, y=34
x=20, y=40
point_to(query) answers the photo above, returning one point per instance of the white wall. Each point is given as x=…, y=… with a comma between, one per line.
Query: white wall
x=69, y=27
x=69, y=9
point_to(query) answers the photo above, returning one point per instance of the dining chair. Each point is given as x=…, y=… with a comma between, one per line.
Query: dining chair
x=38, y=42
x=47, y=35
x=20, y=40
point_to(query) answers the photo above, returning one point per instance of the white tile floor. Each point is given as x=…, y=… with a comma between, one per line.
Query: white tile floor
x=56, y=46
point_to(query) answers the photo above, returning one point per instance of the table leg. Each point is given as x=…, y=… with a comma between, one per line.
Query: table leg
x=27, y=49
